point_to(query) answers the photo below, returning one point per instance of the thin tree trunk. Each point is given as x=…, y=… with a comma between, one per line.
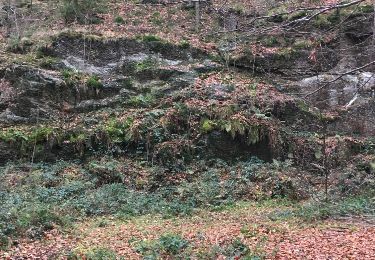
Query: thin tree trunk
x=197, y=16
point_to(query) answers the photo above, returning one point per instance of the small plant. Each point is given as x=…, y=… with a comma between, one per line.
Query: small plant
x=185, y=44
x=70, y=77
x=271, y=41
x=156, y=19
x=119, y=20
x=94, y=82
x=118, y=130
x=172, y=244
x=239, y=8
x=96, y=253
x=141, y=100
x=303, y=44
x=208, y=126
x=236, y=249
x=146, y=64
x=166, y=245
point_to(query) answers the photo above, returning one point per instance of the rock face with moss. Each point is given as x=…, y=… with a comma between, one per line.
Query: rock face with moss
x=177, y=98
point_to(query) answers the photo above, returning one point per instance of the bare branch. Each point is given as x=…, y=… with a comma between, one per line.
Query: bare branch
x=339, y=77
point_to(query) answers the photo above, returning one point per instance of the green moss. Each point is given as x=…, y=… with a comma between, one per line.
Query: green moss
x=239, y=8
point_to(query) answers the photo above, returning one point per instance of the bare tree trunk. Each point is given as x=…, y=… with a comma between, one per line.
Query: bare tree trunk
x=8, y=19
x=197, y=16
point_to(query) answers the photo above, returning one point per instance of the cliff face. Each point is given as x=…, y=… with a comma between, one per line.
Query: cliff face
x=243, y=101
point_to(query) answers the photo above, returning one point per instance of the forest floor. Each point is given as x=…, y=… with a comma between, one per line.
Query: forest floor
x=244, y=230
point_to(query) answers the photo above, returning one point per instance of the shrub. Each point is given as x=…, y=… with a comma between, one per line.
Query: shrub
x=119, y=20
x=169, y=244
x=106, y=171
x=146, y=100
x=172, y=244
x=235, y=249
x=184, y=44
x=156, y=18
x=94, y=82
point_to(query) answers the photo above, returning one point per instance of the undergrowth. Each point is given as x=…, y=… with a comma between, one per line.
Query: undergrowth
x=36, y=198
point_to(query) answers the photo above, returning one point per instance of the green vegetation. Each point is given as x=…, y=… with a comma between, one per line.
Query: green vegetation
x=141, y=100
x=366, y=8
x=119, y=130
x=71, y=77
x=185, y=44
x=167, y=245
x=95, y=253
x=236, y=249
x=94, y=82
x=357, y=205
x=119, y=20
x=156, y=19
x=270, y=41
x=147, y=64
x=45, y=195
x=252, y=132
